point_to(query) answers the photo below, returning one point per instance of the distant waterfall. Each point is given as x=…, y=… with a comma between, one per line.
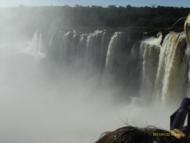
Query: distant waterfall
x=87, y=50
x=81, y=51
x=94, y=41
x=34, y=47
x=55, y=50
x=122, y=62
x=96, y=47
x=171, y=78
x=118, y=54
x=151, y=68
x=151, y=49
x=36, y=42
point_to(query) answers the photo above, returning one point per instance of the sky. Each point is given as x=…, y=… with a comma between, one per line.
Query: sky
x=179, y=3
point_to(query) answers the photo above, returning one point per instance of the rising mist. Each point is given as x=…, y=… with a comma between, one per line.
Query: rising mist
x=66, y=85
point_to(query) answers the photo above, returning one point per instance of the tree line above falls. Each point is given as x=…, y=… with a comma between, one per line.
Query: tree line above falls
x=145, y=19
x=149, y=18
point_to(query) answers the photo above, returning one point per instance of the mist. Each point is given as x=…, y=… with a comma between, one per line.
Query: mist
x=37, y=106
x=43, y=101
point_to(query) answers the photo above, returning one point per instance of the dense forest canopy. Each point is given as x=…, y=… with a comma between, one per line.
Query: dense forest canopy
x=146, y=19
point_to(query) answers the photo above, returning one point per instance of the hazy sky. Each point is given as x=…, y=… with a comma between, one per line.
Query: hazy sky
x=184, y=3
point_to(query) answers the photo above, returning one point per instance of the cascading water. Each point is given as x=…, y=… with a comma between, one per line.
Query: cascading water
x=55, y=47
x=35, y=47
x=36, y=42
x=68, y=85
x=171, y=79
x=151, y=49
x=94, y=50
x=81, y=51
x=123, y=63
x=97, y=44
x=128, y=64
x=160, y=68
x=115, y=54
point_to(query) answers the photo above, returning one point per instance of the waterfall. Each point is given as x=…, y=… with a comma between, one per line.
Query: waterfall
x=97, y=43
x=69, y=45
x=165, y=67
x=117, y=53
x=94, y=49
x=36, y=42
x=104, y=44
x=171, y=78
x=87, y=50
x=81, y=50
x=151, y=49
x=63, y=47
x=34, y=47
x=55, y=47
x=158, y=69
x=123, y=63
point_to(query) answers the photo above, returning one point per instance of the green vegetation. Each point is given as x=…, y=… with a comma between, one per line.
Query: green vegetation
x=148, y=19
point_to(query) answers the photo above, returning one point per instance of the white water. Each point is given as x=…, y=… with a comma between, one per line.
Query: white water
x=160, y=68
x=37, y=106
x=151, y=50
x=114, y=57
x=172, y=71
x=45, y=99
